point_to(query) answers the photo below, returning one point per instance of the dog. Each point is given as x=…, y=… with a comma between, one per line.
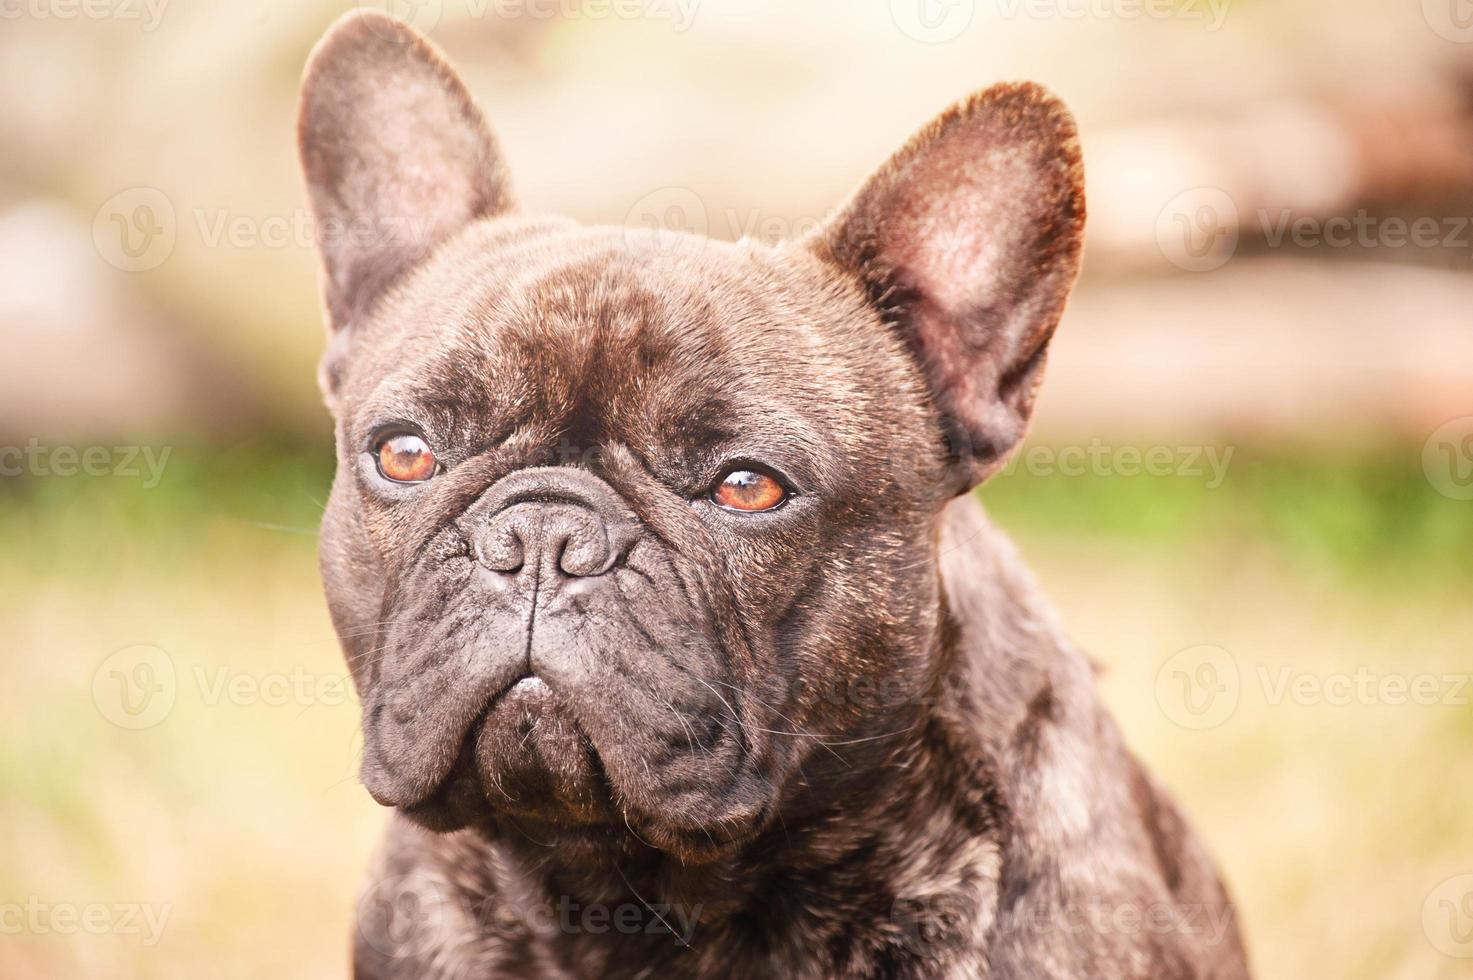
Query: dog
x=683, y=648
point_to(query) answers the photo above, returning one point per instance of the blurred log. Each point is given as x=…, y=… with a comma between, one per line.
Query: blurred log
x=1188, y=193
x=1349, y=354
x=87, y=355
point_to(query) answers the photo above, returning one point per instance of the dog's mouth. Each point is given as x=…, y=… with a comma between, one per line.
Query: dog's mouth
x=527, y=765
x=524, y=757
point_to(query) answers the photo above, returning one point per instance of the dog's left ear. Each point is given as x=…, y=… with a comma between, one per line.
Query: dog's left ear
x=968, y=241
x=397, y=158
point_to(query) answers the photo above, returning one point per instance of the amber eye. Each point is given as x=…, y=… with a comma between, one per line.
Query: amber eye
x=748, y=490
x=405, y=458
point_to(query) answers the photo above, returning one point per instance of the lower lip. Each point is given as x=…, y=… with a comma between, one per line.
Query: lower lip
x=528, y=685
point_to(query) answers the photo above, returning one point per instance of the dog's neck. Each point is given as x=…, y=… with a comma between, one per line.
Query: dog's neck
x=857, y=877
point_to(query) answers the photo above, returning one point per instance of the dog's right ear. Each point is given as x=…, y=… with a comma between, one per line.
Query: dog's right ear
x=397, y=159
x=967, y=242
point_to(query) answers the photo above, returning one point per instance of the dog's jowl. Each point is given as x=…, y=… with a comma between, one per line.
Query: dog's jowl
x=683, y=648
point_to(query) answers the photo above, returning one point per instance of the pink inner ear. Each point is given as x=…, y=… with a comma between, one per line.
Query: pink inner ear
x=970, y=238
x=397, y=156
x=958, y=225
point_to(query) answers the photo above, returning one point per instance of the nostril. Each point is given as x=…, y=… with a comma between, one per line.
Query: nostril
x=597, y=549
x=502, y=551
x=584, y=549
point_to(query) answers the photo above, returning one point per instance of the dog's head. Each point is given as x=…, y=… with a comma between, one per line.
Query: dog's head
x=626, y=527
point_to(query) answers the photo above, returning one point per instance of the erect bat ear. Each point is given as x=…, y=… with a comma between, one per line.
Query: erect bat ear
x=968, y=241
x=397, y=159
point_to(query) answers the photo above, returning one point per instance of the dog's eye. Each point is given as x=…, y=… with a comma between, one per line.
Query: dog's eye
x=405, y=458
x=748, y=490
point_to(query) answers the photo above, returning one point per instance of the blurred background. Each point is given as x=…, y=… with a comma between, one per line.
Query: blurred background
x=1249, y=488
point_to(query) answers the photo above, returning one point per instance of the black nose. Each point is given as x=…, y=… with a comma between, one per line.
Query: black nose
x=554, y=521
x=553, y=537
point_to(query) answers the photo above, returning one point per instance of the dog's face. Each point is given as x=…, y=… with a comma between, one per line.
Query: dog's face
x=625, y=528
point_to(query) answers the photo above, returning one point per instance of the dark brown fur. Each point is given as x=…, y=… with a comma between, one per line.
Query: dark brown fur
x=844, y=738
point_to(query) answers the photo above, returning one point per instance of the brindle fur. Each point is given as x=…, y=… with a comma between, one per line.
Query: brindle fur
x=842, y=739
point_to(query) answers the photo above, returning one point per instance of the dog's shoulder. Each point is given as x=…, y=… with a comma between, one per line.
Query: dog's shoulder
x=1099, y=866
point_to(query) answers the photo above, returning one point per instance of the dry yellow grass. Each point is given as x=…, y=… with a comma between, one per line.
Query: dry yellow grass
x=237, y=817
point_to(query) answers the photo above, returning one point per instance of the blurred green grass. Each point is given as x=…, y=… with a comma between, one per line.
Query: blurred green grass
x=1361, y=515
x=1366, y=514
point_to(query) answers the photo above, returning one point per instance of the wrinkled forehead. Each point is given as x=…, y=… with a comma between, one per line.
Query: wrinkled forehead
x=585, y=333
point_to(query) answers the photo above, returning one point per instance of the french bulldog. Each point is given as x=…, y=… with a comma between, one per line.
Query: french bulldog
x=683, y=647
